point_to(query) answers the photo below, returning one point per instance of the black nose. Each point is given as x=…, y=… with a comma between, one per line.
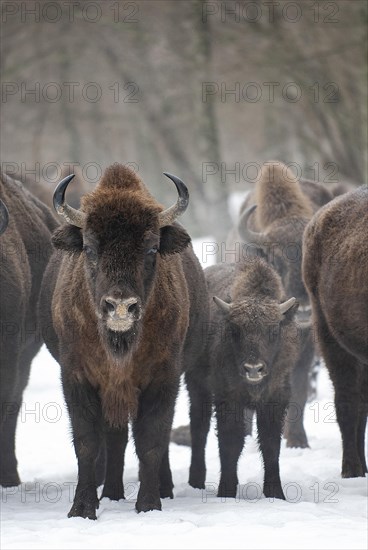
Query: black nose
x=255, y=372
x=122, y=308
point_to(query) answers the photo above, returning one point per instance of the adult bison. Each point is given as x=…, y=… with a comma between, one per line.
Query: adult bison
x=271, y=225
x=251, y=347
x=274, y=231
x=124, y=297
x=335, y=267
x=25, y=247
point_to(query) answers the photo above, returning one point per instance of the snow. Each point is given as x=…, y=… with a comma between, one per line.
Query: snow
x=322, y=510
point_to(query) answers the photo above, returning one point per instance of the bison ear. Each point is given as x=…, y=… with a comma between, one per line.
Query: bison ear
x=173, y=239
x=68, y=238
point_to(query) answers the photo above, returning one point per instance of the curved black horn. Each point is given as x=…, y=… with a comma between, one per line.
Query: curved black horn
x=168, y=216
x=71, y=215
x=246, y=234
x=4, y=217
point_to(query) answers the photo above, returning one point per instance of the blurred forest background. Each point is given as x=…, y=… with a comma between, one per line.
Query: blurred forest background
x=207, y=90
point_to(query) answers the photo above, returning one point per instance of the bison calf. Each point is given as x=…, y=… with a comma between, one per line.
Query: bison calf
x=335, y=267
x=250, y=351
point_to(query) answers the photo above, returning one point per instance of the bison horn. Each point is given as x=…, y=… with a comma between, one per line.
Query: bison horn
x=71, y=215
x=285, y=306
x=4, y=217
x=168, y=216
x=246, y=234
x=224, y=306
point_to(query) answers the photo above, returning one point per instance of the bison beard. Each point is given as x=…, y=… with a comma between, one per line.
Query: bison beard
x=120, y=343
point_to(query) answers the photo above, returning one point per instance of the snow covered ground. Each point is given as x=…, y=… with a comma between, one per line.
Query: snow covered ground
x=322, y=510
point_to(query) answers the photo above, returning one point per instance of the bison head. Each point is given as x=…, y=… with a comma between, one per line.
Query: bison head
x=122, y=234
x=256, y=330
x=281, y=246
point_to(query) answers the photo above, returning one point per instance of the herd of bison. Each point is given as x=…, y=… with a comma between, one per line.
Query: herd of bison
x=116, y=293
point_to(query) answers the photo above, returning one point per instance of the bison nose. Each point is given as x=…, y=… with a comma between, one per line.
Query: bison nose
x=122, y=308
x=255, y=373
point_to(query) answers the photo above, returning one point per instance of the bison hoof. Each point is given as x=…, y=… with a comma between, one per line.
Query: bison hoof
x=197, y=483
x=166, y=492
x=297, y=441
x=85, y=505
x=10, y=479
x=115, y=492
x=273, y=490
x=197, y=478
x=148, y=503
x=352, y=470
x=227, y=490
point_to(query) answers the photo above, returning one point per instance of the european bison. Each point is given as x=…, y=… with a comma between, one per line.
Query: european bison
x=272, y=224
x=25, y=247
x=124, y=296
x=251, y=348
x=335, y=267
x=286, y=207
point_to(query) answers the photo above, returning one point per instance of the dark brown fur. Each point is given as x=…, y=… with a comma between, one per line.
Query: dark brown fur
x=254, y=331
x=284, y=207
x=25, y=249
x=335, y=267
x=132, y=375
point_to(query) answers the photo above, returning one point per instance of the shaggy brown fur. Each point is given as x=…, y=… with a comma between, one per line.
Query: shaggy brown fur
x=253, y=332
x=278, y=196
x=25, y=248
x=335, y=267
x=284, y=207
x=317, y=193
x=125, y=375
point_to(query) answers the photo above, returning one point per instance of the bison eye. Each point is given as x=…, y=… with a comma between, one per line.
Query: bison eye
x=152, y=250
x=90, y=252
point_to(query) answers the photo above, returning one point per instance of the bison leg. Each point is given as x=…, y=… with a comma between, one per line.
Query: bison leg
x=361, y=440
x=347, y=412
x=270, y=418
x=86, y=417
x=8, y=463
x=294, y=427
x=151, y=431
x=166, y=482
x=116, y=442
x=100, y=465
x=345, y=373
x=200, y=418
x=231, y=435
